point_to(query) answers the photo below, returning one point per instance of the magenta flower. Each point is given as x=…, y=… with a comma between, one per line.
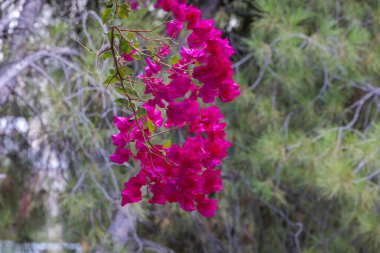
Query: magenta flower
x=163, y=51
x=133, y=4
x=152, y=68
x=178, y=87
x=154, y=115
x=119, y=140
x=173, y=28
x=181, y=112
x=207, y=207
x=132, y=189
x=128, y=57
x=120, y=156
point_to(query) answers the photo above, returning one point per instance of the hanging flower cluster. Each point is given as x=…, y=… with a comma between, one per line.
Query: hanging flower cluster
x=178, y=94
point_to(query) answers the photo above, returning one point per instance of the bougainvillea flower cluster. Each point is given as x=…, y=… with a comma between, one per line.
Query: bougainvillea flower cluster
x=179, y=95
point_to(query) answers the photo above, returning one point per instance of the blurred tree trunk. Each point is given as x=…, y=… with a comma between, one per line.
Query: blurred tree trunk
x=25, y=26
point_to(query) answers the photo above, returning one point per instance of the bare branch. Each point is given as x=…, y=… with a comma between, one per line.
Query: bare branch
x=9, y=70
x=261, y=74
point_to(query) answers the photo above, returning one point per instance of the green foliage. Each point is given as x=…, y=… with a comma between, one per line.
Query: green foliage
x=306, y=152
x=115, y=12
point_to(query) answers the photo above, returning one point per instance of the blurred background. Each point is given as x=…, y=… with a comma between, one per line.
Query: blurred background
x=303, y=172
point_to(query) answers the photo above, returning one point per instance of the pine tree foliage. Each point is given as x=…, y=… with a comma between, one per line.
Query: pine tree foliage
x=307, y=127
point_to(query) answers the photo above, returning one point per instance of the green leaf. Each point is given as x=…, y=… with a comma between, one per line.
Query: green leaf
x=151, y=126
x=122, y=72
x=111, y=79
x=127, y=90
x=106, y=15
x=110, y=4
x=167, y=143
x=141, y=112
x=120, y=90
x=174, y=60
x=131, y=92
x=129, y=70
x=130, y=36
x=136, y=57
x=123, y=102
x=126, y=70
x=124, y=46
x=150, y=48
x=123, y=11
x=107, y=55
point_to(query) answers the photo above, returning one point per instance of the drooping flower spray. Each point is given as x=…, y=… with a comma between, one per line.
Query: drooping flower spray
x=180, y=80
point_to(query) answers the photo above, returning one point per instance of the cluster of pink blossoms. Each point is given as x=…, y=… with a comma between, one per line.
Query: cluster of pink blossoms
x=184, y=174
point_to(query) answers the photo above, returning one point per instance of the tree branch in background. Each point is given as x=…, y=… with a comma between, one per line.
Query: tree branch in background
x=10, y=70
x=29, y=14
